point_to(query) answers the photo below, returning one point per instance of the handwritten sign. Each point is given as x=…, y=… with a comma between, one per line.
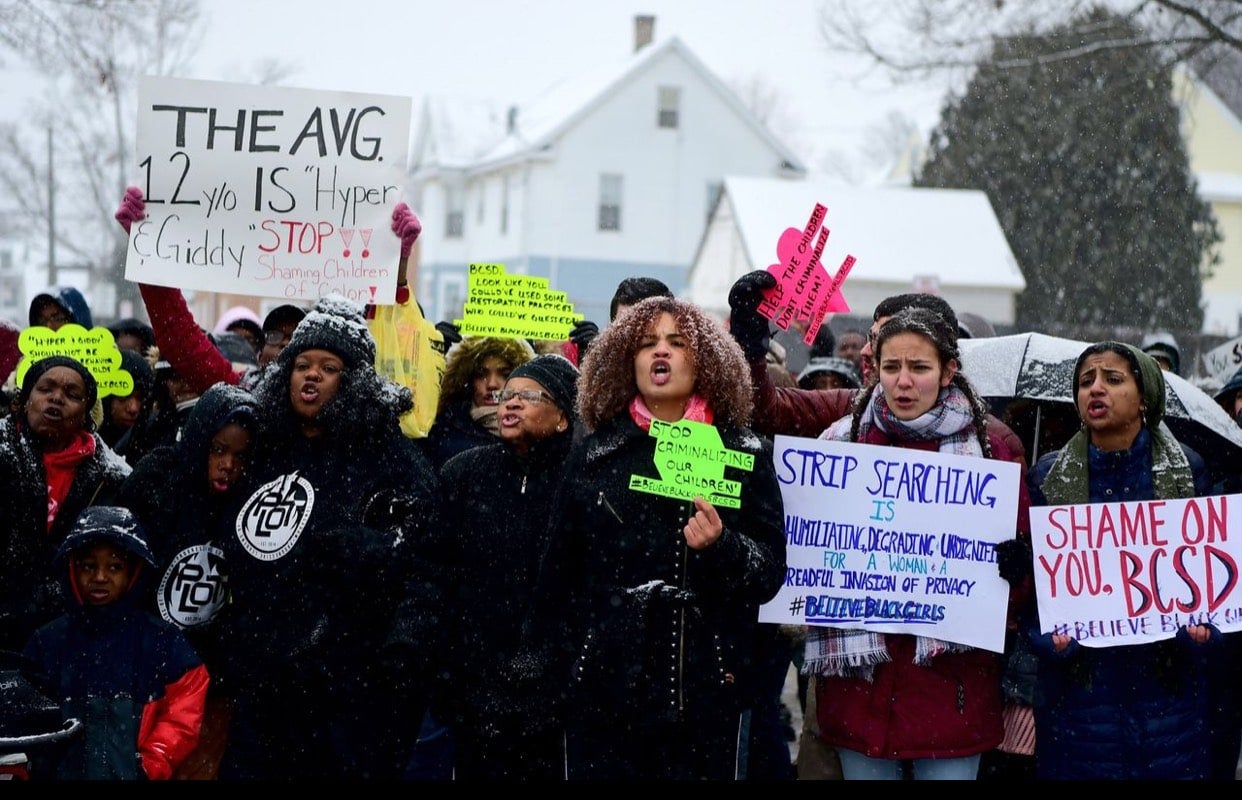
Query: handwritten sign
x=514, y=306
x=1223, y=361
x=894, y=540
x=271, y=192
x=94, y=349
x=804, y=291
x=1120, y=573
x=691, y=460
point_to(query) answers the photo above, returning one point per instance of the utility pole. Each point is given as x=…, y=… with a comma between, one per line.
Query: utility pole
x=51, y=213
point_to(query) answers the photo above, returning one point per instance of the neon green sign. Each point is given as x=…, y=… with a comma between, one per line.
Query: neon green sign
x=94, y=349
x=691, y=460
x=514, y=306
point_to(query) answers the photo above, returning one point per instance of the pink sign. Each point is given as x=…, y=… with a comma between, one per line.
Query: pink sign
x=804, y=290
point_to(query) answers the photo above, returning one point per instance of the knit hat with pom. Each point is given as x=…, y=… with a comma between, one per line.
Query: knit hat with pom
x=335, y=324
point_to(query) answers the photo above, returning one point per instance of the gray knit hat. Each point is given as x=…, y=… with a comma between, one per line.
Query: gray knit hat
x=335, y=324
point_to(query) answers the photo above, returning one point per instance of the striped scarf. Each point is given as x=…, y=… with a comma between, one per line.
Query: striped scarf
x=855, y=652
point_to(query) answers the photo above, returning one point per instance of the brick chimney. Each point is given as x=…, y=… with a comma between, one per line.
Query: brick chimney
x=644, y=31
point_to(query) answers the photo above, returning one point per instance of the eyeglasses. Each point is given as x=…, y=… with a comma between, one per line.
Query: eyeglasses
x=275, y=338
x=525, y=395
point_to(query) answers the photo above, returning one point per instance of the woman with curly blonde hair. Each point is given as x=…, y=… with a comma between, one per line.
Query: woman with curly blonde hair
x=659, y=595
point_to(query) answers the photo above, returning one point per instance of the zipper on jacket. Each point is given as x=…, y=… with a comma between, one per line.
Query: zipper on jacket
x=603, y=501
x=681, y=639
x=523, y=485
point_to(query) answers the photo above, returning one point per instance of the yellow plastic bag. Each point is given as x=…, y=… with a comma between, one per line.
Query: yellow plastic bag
x=410, y=351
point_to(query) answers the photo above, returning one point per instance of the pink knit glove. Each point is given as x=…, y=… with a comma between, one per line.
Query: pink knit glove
x=132, y=208
x=406, y=225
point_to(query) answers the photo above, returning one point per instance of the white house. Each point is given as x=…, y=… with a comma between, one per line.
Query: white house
x=611, y=173
x=946, y=241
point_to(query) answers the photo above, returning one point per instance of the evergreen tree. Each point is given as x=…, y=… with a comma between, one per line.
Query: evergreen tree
x=1084, y=164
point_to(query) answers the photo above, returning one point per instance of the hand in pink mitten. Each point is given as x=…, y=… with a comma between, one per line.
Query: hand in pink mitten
x=406, y=225
x=132, y=208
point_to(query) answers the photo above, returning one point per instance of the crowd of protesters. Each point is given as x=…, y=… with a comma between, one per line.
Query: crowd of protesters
x=248, y=569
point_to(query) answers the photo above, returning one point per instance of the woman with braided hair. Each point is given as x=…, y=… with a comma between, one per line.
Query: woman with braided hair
x=901, y=705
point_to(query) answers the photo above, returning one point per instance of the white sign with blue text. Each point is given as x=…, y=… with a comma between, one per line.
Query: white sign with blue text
x=894, y=540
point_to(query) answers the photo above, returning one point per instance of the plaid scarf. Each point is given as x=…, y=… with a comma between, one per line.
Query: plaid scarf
x=852, y=652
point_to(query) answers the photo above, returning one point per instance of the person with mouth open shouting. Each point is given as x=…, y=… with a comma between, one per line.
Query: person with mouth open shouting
x=655, y=598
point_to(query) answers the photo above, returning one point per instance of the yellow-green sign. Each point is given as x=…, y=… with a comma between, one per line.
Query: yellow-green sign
x=95, y=349
x=691, y=460
x=514, y=306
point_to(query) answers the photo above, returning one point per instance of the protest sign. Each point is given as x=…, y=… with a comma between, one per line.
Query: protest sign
x=691, y=459
x=804, y=291
x=1124, y=573
x=514, y=306
x=272, y=192
x=1223, y=361
x=94, y=349
x=894, y=540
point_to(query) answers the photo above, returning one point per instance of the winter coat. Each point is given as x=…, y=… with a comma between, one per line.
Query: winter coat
x=455, y=432
x=1132, y=711
x=949, y=708
x=28, y=590
x=659, y=633
x=184, y=520
x=133, y=680
x=185, y=345
x=497, y=506
x=321, y=556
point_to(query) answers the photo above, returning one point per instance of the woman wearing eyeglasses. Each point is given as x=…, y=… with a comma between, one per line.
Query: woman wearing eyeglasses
x=497, y=500
x=659, y=595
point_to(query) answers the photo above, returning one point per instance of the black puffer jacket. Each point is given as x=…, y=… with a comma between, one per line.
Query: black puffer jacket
x=29, y=593
x=658, y=631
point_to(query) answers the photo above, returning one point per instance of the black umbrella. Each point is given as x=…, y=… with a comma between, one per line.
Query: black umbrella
x=1039, y=368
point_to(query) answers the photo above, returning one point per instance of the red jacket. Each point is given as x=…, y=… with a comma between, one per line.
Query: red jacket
x=182, y=342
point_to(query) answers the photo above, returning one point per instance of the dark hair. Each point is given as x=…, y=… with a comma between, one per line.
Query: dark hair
x=931, y=302
x=631, y=290
x=722, y=376
x=942, y=334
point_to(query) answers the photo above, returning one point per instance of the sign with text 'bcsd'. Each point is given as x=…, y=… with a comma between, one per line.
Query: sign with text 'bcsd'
x=272, y=192
x=894, y=540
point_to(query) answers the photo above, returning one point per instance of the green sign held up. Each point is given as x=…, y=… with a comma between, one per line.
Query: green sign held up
x=691, y=460
x=514, y=306
x=94, y=349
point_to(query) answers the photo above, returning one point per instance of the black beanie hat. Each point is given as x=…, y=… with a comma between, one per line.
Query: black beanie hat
x=554, y=373
x=335, y=324
x=44, y=364
x=281, y=315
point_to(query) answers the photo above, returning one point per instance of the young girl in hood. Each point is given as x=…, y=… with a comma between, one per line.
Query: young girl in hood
x=183, y=493
x=132, y=680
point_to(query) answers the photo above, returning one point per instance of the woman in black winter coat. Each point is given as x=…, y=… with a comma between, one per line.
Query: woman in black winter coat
x=324, y=570
x=497, y=502
x=52, y=465
x=660, y=595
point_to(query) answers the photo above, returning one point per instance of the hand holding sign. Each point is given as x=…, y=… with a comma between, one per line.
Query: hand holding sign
x=804, y=290
x=691, y=459
x=705, y=527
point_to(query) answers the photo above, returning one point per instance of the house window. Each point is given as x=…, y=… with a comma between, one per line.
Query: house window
x=455, y=218
x=670, y=103
x=610, y=202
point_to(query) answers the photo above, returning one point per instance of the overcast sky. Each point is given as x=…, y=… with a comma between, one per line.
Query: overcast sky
x=507, y=50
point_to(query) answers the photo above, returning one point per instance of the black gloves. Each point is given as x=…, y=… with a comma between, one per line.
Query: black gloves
x=750, y=328
x=583, y=334
x=450, y=332
x=1014, y=559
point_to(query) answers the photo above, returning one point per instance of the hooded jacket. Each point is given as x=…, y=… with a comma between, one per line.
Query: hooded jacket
x=133, y=680
x=68, y=298
x=169, y=493
x=1129, y=711
x=28, y=590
